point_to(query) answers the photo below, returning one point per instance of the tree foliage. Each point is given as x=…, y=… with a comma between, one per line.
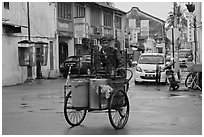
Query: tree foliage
x=176, y=18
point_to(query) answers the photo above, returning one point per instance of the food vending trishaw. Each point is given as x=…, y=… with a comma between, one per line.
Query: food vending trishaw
x=105, y=88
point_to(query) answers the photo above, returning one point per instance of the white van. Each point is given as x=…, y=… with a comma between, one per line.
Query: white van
x=185, y=56
x=145, y=69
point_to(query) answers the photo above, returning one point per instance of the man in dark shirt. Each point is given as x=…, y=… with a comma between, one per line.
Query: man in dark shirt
x=106, y=52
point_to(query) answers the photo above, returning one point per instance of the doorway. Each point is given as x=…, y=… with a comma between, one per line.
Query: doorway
x=63, y=52
x=38, y=63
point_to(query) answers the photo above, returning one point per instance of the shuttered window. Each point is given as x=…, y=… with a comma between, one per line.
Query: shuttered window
x=108, y=19
x=64, y=10
x=6, y=5
x=118, y=22
x=95, y=17
x=80, y=10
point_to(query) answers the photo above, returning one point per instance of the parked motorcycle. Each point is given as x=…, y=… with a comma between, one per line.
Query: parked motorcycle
x=173, y=83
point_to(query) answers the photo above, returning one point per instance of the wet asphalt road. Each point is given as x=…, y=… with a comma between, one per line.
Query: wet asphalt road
x=37, y=109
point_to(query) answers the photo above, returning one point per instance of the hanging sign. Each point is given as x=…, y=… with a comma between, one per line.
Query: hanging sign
x=190, y=30
x=144, y=27
x=132, y=23
x=79, y=28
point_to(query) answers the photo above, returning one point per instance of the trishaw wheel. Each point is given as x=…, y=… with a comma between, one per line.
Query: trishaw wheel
x=118, y=109
x=188, y=81
x=72, y=115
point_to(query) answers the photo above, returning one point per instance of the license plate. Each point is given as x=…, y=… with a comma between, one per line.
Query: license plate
x=150, y=76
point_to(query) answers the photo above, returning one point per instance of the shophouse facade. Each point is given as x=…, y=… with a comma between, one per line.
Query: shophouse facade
x=99, y=19
x=81, y=25
x=62, y=27
x=15, y=29
x=145, y=32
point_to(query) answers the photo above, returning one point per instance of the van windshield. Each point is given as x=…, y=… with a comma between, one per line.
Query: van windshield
x=151, y=59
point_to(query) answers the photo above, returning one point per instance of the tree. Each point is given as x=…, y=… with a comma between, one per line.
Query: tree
x=180, y=19
x=178, y=16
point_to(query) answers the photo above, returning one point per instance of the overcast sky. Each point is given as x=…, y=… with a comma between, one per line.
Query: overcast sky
x=157, y=9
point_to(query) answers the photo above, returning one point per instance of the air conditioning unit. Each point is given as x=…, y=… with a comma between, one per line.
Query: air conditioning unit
x=97, y=30
x=95, y=42
x=78, y=40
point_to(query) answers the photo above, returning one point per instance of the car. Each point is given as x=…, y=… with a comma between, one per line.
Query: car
x=185, y=56
x=80, y=65
x=145, y=70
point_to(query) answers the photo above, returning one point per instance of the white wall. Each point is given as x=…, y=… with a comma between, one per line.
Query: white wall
x=42, y=28
x=42, y=19
x=12, y=73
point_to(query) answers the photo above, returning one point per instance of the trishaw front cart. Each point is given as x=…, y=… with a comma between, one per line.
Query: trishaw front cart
x=103, y=89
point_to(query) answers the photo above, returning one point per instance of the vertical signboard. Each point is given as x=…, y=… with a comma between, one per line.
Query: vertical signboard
x=132, y=23
x=144, y=27
x=133, y=31
x=79, y=28
x=134, y=36
x=190, y=30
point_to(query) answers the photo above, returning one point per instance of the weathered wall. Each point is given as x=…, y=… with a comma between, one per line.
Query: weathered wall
x=12, y=73
x=42, y=28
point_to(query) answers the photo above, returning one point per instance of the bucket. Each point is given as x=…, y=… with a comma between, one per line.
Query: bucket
x=79, y=90
x=96, y=101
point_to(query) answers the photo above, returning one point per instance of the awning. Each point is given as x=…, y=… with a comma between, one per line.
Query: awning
x=12, y=28
x=95, y=36
x=25, y=43
x=13, y=25
x=65, y=34
x=41, y=42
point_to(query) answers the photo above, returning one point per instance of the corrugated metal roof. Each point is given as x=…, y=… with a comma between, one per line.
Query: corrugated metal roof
x=108, y=6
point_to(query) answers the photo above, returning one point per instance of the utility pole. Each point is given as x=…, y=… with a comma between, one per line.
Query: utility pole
x=174, y=25
x=173, y=44
x=176, y=12
x=195, y=37
x=29, y=67
x=28, y=14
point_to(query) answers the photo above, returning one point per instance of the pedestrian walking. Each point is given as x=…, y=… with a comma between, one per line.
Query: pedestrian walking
x=158, y=77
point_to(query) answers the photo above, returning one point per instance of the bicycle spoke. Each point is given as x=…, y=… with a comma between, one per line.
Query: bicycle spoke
x=74, y=116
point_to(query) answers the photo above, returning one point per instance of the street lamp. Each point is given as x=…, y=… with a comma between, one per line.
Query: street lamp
x=191, y=8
